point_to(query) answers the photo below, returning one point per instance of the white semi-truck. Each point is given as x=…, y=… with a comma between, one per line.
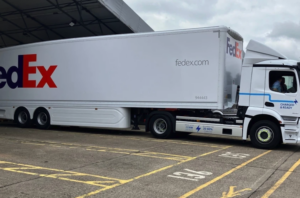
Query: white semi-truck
x=196, y=80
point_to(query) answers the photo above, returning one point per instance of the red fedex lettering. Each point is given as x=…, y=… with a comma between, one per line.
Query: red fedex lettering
x=238, y=52
x=47, y=76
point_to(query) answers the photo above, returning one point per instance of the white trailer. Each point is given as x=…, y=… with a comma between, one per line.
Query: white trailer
x=184, y=81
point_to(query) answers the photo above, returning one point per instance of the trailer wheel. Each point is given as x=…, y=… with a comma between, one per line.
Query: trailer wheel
x=42, y=118
x=265, y=134
x=22, y=118
x=161, y=126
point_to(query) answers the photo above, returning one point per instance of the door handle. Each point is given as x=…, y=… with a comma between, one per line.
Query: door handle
x=269, y=104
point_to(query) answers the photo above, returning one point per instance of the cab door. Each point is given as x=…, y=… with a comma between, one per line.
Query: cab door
x=257, y=89
x=284, y=102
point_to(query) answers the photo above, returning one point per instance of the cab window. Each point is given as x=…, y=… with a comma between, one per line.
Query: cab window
x=283, y=82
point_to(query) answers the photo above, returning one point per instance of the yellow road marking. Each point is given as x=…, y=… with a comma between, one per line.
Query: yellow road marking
x=121, y=151
x=107, y=148
x=154, y=140
x=150, y=173
x=181, y=142
x=118, y=152
x=111, y=182
x=166, y=141
x=222, y=176
x=167, y=154
x=66, y=144
x=33, y=143
x=75, y=145
x=282, y=179
x=162, y=156
x=98, y=191
x=108, y=151
x=233, y=193
x=159, y=157
x=62, y=175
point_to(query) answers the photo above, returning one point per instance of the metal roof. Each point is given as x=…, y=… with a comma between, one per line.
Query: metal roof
x=280, y=62
x=30, y=21
x=261, y=48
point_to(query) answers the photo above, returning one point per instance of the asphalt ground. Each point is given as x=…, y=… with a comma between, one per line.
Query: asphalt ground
x=81, y=162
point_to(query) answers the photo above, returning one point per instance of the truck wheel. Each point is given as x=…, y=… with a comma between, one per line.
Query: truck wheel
x=42, y=119
x=265, y=134
x=22, y=118
x=161, y=126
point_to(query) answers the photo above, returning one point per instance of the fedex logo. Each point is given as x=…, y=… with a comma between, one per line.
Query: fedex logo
x=23, y=70
x=234, y=50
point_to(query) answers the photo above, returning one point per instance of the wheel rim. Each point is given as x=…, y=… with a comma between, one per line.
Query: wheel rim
x=264, y=135
x=160, y=126
x=42, y=118
x=23, y=117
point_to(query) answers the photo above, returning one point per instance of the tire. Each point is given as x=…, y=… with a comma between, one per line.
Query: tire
x=265, y=134
x=161, y=126
x=22, y=118
x=42, y=119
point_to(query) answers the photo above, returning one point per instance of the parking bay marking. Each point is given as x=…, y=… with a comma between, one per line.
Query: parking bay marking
x=151, y=173
x=138, y=177
x=282, y=179
x=114, y=150
x=97, y=180
x=235, y=155
x=164, y=141
x=112, y=182
x=190, y=175
x=182, y=142
x=167, y=141
x=223, y=175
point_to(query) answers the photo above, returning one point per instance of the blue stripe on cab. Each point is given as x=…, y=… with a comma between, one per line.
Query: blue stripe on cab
x=270, y=98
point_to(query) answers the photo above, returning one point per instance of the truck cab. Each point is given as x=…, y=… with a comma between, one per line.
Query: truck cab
x=269, y=97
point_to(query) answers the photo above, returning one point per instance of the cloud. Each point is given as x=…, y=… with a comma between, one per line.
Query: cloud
x=286, y=46
x=273, y=22
x=286, y=29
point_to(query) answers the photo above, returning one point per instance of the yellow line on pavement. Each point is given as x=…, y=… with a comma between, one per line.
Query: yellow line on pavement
x=167, y=154
x=116, y=150
x=158, y=157
x=180, y=142
x=222, y=176
x=98, y=191
x=150, y=173
x=283, y=178
x=33, y=144
x=61, y=174
x=166, y=141
x=121, y=149
x=110, y=151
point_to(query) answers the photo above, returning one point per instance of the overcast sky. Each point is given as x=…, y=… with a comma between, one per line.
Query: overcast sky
x=273, y=22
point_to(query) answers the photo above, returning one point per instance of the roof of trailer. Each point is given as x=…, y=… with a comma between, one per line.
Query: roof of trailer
x=23, y=22
x=281, y=62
